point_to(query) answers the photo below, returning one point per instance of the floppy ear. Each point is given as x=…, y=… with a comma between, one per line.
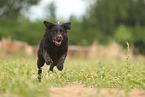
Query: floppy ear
x=67, y=25
x=47, y=24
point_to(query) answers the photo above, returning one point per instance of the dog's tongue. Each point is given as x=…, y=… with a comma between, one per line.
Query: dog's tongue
x=58, y=42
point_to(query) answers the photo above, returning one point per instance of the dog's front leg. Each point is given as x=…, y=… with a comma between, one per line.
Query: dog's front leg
x=47, y=58
x=48, y=61
x=61, y=61
x=51, y=68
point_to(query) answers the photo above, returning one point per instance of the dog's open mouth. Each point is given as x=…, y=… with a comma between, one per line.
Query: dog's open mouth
x=57, y=42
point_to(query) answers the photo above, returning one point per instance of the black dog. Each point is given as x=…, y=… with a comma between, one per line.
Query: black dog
x=53, y=46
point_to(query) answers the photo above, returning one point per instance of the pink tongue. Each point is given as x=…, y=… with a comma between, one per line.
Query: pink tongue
x=58, y=42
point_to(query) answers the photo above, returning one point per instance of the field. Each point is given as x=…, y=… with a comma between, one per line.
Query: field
x=80, y=78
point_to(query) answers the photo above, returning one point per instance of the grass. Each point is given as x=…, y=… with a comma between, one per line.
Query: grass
x=18, y=76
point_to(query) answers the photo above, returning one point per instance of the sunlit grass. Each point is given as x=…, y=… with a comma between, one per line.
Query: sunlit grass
x=18, y=76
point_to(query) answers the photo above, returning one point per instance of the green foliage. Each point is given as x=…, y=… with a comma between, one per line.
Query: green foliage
x=123, y=34
x=135, y=36
x=19, y=76
x=139, y=40
x=32, y=32
x=107, y=15
x=105, y=20
x=122, y=20
x=10, y=9
x=138, y=34
x=24, y=30
x=76, y=33
x=81, y=35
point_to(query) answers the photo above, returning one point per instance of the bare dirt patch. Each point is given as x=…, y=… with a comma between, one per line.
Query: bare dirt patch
x=80, y=91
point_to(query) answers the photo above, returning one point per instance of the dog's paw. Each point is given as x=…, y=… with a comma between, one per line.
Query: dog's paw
x=60, y=67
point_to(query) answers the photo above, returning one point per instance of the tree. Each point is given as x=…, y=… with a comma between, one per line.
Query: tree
x=106, y=15
x=52, y=10
x=10, y=9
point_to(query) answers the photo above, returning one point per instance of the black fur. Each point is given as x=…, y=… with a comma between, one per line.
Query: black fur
x=53, y=46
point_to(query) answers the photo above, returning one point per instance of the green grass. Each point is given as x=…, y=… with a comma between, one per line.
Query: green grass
x=18, y=76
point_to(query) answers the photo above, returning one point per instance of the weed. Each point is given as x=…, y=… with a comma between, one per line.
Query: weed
x=127, y=58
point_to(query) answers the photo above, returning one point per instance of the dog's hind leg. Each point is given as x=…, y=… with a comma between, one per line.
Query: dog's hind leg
x=40, y=63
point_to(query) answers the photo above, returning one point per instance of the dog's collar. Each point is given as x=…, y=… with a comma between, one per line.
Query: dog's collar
x=60, y=22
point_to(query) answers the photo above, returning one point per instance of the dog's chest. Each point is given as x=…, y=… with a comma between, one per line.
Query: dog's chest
x=56, y=53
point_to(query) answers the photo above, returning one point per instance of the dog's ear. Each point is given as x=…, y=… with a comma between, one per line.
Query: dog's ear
x=48, y=24
x=67, y=25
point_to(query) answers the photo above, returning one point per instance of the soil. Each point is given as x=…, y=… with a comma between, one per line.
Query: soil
x=80, y=91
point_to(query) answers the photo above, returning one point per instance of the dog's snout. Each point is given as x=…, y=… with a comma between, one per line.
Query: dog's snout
x=59, y=36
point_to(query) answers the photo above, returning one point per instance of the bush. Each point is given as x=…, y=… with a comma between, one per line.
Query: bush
x=135, y=36
x=123, y=34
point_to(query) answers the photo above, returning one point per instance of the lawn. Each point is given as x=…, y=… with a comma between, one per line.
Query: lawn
x=18, y=76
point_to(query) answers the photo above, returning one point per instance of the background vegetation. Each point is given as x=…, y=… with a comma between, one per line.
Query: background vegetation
x=105, y=21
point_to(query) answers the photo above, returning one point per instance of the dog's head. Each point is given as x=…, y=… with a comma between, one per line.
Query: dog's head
x=57, y=33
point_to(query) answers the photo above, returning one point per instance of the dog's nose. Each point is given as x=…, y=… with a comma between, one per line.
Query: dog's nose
x=59, y=37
